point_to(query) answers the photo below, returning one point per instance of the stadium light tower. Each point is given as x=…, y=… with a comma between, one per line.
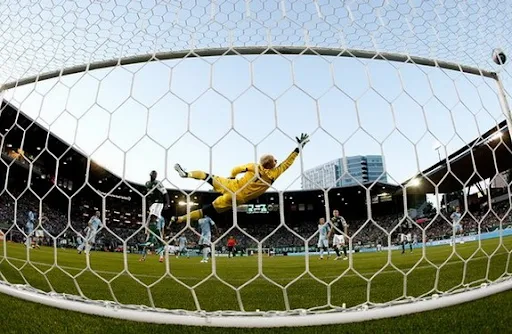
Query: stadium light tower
x=182, y=203
x=414, y=183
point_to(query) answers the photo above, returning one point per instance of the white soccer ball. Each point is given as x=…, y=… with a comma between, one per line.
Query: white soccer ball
x=499, y=57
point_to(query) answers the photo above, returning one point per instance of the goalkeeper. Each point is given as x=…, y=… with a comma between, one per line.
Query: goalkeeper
x=257, y=179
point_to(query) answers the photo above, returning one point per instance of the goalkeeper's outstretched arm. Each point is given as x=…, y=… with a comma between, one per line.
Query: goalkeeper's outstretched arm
x=283, y=166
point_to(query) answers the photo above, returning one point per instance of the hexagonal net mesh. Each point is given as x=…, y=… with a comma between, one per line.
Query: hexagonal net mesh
x=399, y=194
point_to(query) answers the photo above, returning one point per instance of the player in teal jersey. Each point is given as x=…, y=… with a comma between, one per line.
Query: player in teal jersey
x=154, y=239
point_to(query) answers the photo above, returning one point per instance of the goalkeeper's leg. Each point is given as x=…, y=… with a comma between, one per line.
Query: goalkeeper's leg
x=403, y=247
x=220, y=204
x=220, y=184
x=196, y=174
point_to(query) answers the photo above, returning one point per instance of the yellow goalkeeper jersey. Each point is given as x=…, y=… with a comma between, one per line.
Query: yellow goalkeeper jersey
x=258, y=179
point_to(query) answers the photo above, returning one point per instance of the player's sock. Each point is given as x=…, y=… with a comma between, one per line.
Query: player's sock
x=337, y=250
x=410, y=247
x=160, y=251
x=403, y=247
x=321, y=252
x=345, y=251
x=197, y=174
x=205, y=253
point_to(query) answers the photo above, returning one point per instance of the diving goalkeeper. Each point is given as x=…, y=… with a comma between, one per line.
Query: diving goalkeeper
x=257, y=179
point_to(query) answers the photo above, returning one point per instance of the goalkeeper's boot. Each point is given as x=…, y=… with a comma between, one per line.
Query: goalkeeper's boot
x=180, y=171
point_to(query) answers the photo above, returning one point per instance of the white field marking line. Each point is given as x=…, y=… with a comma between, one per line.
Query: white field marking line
x=244, y=280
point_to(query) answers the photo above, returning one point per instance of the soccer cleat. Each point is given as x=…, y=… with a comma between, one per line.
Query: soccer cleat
x=180, y=171
x=345, y=258
x=142, y=259
x=336, y=258
x=161, y=259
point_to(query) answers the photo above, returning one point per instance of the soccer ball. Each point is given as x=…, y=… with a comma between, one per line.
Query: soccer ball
x=499, y=57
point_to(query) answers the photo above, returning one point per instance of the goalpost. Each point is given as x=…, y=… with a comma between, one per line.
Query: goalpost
x=409, y=88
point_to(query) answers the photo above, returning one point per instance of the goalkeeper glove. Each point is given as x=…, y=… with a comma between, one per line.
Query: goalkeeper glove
x=302, y=140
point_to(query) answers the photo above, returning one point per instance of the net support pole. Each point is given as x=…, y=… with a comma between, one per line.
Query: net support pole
x=505, y=107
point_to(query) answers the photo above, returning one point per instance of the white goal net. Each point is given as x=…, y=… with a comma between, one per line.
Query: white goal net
x=397, y=200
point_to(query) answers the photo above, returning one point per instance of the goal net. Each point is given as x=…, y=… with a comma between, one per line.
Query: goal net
x=395, y=200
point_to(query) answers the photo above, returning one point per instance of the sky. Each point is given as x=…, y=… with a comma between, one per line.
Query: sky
x=213, y=113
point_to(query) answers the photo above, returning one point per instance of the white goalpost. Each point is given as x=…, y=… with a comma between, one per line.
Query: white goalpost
x=406, y=107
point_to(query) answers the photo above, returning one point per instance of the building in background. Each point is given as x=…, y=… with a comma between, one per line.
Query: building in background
x=360, y=169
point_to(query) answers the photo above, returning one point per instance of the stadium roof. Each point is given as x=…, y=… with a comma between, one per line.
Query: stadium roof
x=14, y=126
x=481, y=159
x=474, y=162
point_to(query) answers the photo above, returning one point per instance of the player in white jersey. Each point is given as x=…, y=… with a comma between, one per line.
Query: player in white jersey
x=323, y=241
x=379, y=245
x=29, y=226
x=340, y=228
x=405, y=238
x=93, y=226
x=205, y=241
x=182, y=247
x=156, y=195
x=456, y=218
x=414, y=239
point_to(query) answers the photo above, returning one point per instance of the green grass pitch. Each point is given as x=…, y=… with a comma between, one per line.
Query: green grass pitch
x=382, y=274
